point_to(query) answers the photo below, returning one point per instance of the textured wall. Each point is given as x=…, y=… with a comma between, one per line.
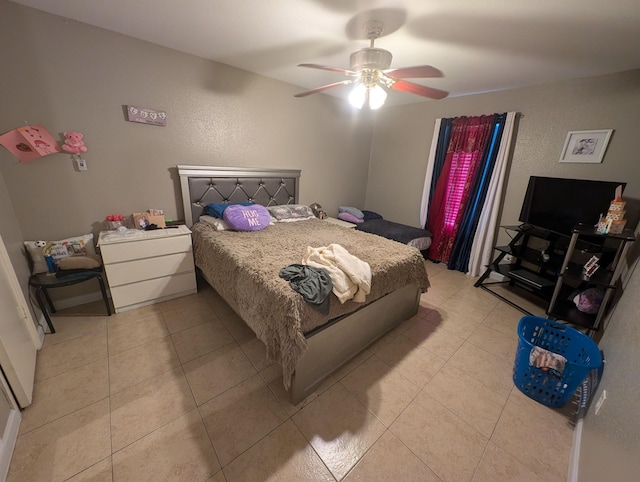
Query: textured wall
x=611, y=439
x=67, y=75
x=402, y=140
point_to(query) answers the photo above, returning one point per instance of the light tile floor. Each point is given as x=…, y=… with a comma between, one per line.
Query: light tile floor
x=182, y=391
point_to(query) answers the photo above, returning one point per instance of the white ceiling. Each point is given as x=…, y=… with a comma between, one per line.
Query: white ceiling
x=479, y=45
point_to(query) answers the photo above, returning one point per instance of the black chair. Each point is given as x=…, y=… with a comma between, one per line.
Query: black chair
x=45, y=281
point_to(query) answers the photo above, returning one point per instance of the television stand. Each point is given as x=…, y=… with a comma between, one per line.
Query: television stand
x=530, y=263
x=550, y=267
x=572, y=277
x=531, y=278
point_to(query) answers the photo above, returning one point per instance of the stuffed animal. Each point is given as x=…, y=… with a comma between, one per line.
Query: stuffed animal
x=45, y=246
x=73, y=143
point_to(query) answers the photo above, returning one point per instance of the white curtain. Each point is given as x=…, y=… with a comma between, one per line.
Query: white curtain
x=482, y=247
x=424, y=204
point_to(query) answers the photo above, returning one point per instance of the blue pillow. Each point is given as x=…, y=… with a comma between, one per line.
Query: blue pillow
x=217, y=209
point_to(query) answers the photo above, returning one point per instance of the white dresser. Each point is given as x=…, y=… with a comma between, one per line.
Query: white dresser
x=146, y=267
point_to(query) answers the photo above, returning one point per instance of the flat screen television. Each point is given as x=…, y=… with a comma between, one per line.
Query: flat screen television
x=558, y=204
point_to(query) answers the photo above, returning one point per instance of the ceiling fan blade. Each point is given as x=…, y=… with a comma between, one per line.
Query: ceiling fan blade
x=331, y=69
x=418, y=71
x=325, y=87
x=424, y=91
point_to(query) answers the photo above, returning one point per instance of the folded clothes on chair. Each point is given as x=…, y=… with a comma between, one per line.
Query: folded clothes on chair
x=547, y=360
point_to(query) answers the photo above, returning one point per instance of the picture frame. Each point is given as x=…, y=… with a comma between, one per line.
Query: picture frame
x=586, y=146
x=144, y=115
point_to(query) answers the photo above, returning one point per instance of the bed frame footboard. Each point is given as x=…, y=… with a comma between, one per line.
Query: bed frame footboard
x=334, y=345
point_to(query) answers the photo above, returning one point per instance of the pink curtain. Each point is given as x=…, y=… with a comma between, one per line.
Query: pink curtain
x=469, y=139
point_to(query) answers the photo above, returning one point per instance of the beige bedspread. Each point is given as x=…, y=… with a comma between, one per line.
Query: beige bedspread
x=243, y=268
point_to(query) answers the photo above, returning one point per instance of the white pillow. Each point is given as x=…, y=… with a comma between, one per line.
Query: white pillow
x=216, y=223
x=76, y=246
x=288, y=213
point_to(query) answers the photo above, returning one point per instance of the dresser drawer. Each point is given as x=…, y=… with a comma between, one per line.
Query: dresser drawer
x=144, y=248
x=153, y=289
x=149, y=268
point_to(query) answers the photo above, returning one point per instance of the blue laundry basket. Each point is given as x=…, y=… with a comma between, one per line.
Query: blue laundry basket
x=549, y=388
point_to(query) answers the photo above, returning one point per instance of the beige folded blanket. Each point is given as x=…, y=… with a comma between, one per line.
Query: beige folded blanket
x=350, y=275
x=90, y=261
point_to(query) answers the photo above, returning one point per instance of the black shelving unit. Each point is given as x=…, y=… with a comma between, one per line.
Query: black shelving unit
x=551, y=267
x=572, y=275
x=536, y=259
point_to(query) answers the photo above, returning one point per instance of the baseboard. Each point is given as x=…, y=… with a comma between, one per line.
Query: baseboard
x=41, y=330
x=77, y=300
x=8, y=442
x=574, y=458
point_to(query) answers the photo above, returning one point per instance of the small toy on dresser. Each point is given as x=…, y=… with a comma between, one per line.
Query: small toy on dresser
x=613, y=222
x=114, y=222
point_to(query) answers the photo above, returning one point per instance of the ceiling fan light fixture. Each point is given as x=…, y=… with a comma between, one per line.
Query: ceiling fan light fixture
x=371, y=96
x=370, y=58
x=358, y=95
x=377, y=96
x=370, y=73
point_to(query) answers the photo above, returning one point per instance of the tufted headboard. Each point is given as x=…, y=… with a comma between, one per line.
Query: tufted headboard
x=202, y=185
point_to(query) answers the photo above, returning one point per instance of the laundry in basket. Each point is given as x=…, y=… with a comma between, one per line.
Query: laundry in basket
x=547, y=361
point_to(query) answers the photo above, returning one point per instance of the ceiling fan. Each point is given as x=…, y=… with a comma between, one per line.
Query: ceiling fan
x=371, y=72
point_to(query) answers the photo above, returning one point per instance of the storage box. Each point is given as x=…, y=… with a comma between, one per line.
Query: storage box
x=617, y=206
x=616, y=215
x=142, y=220
x=617, y=226
x=610, y=226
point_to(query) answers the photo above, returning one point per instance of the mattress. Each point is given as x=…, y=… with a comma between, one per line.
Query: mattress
x=243, y=267
x=412, y=236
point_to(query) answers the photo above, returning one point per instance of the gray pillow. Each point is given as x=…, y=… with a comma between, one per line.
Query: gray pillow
x=291, y=212
x=351, y=210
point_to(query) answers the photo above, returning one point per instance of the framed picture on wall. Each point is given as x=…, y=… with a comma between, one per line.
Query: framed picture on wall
x=585, y=146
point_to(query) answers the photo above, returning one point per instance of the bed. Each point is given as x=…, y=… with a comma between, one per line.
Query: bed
x=410, y=235
x=243, y=268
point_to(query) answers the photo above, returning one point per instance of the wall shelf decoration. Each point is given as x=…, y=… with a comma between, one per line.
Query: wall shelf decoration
x=585, y=146
x=29, y=142
x=145, y=115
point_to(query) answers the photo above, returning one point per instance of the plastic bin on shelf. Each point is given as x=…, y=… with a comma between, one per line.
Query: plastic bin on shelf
x=550, y=388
